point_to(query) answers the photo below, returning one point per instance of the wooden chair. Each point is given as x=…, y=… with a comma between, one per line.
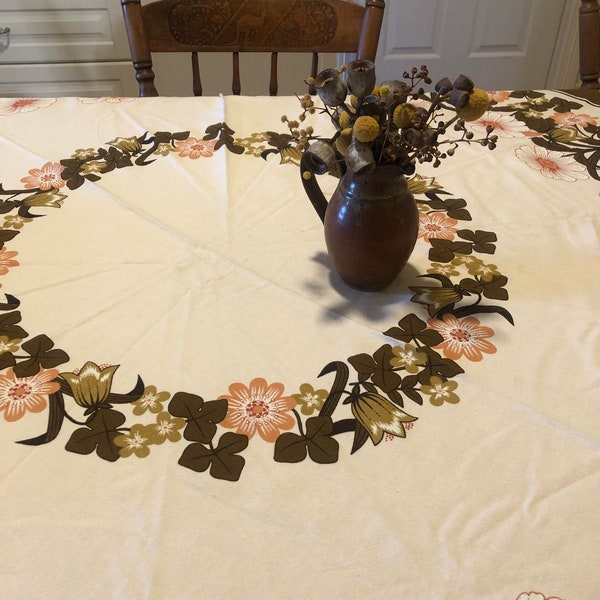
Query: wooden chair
x=589, y=44
x=306, y=26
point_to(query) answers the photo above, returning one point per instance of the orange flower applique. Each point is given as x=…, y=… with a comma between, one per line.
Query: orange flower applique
x=21, y=394
x=463, y=337
x=436, y=225
x=259, y=407
x=195, y=148
x=6, y=260
x=46, y=178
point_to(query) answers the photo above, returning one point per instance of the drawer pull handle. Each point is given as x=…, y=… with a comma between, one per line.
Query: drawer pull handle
x=4, y=30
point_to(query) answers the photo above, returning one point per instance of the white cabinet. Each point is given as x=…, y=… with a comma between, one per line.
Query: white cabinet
x=64, y=48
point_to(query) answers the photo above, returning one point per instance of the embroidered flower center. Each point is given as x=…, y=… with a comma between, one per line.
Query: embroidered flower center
x=21, y=102
x=149, y=400
x=461, y=335
x=164, y=427
x=137, y=441
x=433, y=227
x=257, y=409
x=19, y=392
x=546, y=163
x=311, y=399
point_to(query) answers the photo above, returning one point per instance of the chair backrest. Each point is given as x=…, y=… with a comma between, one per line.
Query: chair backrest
x=306, y=26
x=589, y=44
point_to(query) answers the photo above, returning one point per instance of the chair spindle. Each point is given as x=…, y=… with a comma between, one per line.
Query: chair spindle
x=236, y=85
x=314, y=71
x=196, y=81
x=273, y=78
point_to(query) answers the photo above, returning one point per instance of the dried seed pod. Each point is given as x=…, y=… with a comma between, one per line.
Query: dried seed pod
x=443, y=86
x=464, y=83
x=359, y=157
x=331, y=88
x=361, y=77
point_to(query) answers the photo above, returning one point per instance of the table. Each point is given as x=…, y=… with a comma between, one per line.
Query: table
x=170, y=329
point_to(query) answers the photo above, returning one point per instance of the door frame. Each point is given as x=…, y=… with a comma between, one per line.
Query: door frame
x=563, y=72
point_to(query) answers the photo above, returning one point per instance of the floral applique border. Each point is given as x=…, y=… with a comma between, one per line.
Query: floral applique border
x=372, y=397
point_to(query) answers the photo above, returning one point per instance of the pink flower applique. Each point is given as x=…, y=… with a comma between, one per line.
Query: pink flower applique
x=551, y=163
x=7, y=260
x=21, y=394
x=499, y=96
x=505, y=126
x=13, y=106
x=568, y=119
x=535, y=596
x=259, y=407
x=46, y=178
x=436, y=225
x=195, y=148
x=105, y=99
x=463, y=337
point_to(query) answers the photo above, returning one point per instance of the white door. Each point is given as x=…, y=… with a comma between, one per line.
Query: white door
x=506, y=44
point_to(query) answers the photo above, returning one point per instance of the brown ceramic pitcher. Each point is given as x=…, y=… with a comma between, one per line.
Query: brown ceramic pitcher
x=371, y=224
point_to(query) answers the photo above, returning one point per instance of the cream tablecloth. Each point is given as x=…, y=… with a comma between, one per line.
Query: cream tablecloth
x=170, y=327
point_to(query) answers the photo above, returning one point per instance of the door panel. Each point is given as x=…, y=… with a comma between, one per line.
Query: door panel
x=506, y=44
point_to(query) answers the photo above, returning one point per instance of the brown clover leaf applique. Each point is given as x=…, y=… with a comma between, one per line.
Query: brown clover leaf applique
x=99, y=434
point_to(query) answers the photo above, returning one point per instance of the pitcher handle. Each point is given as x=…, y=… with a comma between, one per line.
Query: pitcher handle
x=311, y=165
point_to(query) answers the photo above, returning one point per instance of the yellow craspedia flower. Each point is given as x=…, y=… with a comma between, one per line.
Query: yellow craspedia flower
x=403, y=114
x=478, y=103
x=353, y=100
x=376, y=91
x=344, y=119
x=343, y=141
x=384, y=90
x=366, y=129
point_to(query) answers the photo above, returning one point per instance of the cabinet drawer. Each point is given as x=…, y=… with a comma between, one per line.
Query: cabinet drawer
x=72, y=30
x=69, y=79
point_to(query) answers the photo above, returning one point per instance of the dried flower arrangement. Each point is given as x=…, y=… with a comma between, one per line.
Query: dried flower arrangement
x=397, y=122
